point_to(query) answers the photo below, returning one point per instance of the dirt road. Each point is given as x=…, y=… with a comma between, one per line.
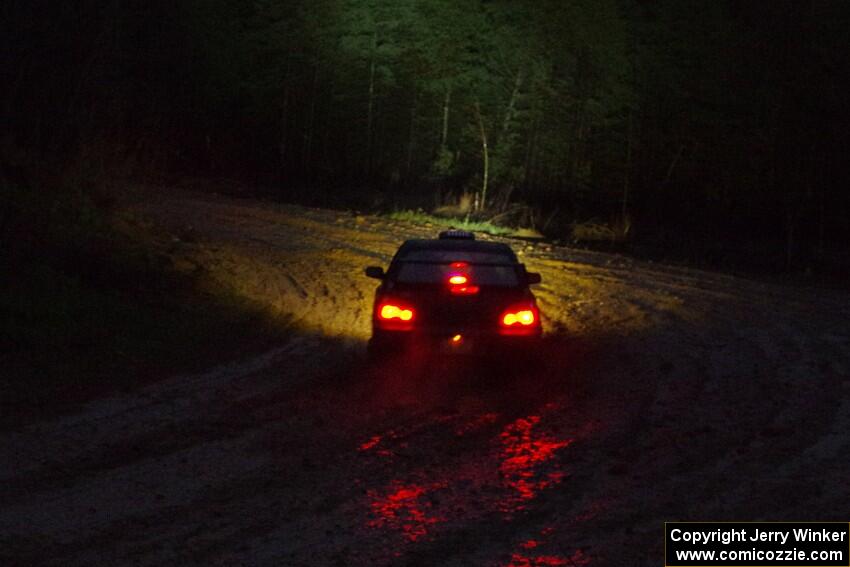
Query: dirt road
x=665, y=394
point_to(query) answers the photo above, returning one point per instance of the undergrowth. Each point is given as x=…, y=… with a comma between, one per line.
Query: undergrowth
x=420, y=217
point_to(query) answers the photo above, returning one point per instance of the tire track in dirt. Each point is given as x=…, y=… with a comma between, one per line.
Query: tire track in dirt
x=664, y=393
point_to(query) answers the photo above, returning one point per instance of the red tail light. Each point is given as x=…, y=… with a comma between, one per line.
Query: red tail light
x=520, y=319
x=394, y=315
x=389, y=312
x=524, y=317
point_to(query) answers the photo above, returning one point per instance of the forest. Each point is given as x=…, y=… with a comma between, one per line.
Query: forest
x=712, y=132
x=192, y=193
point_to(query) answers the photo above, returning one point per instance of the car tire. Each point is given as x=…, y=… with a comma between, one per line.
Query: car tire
x=376, y=353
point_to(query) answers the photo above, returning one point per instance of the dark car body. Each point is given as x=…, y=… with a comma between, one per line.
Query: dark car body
x=454, y=295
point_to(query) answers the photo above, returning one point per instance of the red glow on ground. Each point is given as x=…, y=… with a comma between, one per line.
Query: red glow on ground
x=477, y=423
x=523, y=462
x=370, y=443
x=523, y=559
x=520, y=560
x=404, y=509
x=523, y=454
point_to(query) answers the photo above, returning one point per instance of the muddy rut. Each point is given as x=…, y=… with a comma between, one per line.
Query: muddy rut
x=661, y=394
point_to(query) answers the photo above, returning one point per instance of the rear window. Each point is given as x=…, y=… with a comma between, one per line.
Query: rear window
x=504, y=275
x=449, y=256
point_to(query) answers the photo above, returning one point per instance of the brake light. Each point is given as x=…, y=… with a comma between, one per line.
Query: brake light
x=521, y=319
x=459, y=283
x=394, y=315
x=389, y=312
x=525, y=317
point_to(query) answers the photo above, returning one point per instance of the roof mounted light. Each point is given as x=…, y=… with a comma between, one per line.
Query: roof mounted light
x=454, y=234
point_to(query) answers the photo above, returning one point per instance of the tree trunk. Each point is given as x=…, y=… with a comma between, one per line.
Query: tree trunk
x=790, y=224
x=411, y=139
x=371, y=105
x=511, y=109
x=379, y=129
x=444, y=138
x=12, y=92
x=822, y=219
x=307, y=156
x=627, y=175
x=672, y=167
x=281, y=149
x=530, y=152
x=482, y=202
x=326, y=124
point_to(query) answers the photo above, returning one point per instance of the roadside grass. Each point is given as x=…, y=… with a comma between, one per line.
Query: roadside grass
x=423, y=218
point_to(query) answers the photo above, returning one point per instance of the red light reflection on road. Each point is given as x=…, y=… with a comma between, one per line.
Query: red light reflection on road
x=525, y=559
x=405, y=509
x=476, y=424
x=520, y=560
x=523, y=453
x=515, y=470
x=370, y=443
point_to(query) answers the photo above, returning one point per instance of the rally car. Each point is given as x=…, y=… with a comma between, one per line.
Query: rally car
x=454, y=295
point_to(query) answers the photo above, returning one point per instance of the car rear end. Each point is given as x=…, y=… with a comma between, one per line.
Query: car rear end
x=454, y=299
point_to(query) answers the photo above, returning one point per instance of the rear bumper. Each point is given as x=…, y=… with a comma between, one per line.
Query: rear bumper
x=459, y=343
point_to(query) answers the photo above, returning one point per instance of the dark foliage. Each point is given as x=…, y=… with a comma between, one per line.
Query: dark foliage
x=716, y=131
